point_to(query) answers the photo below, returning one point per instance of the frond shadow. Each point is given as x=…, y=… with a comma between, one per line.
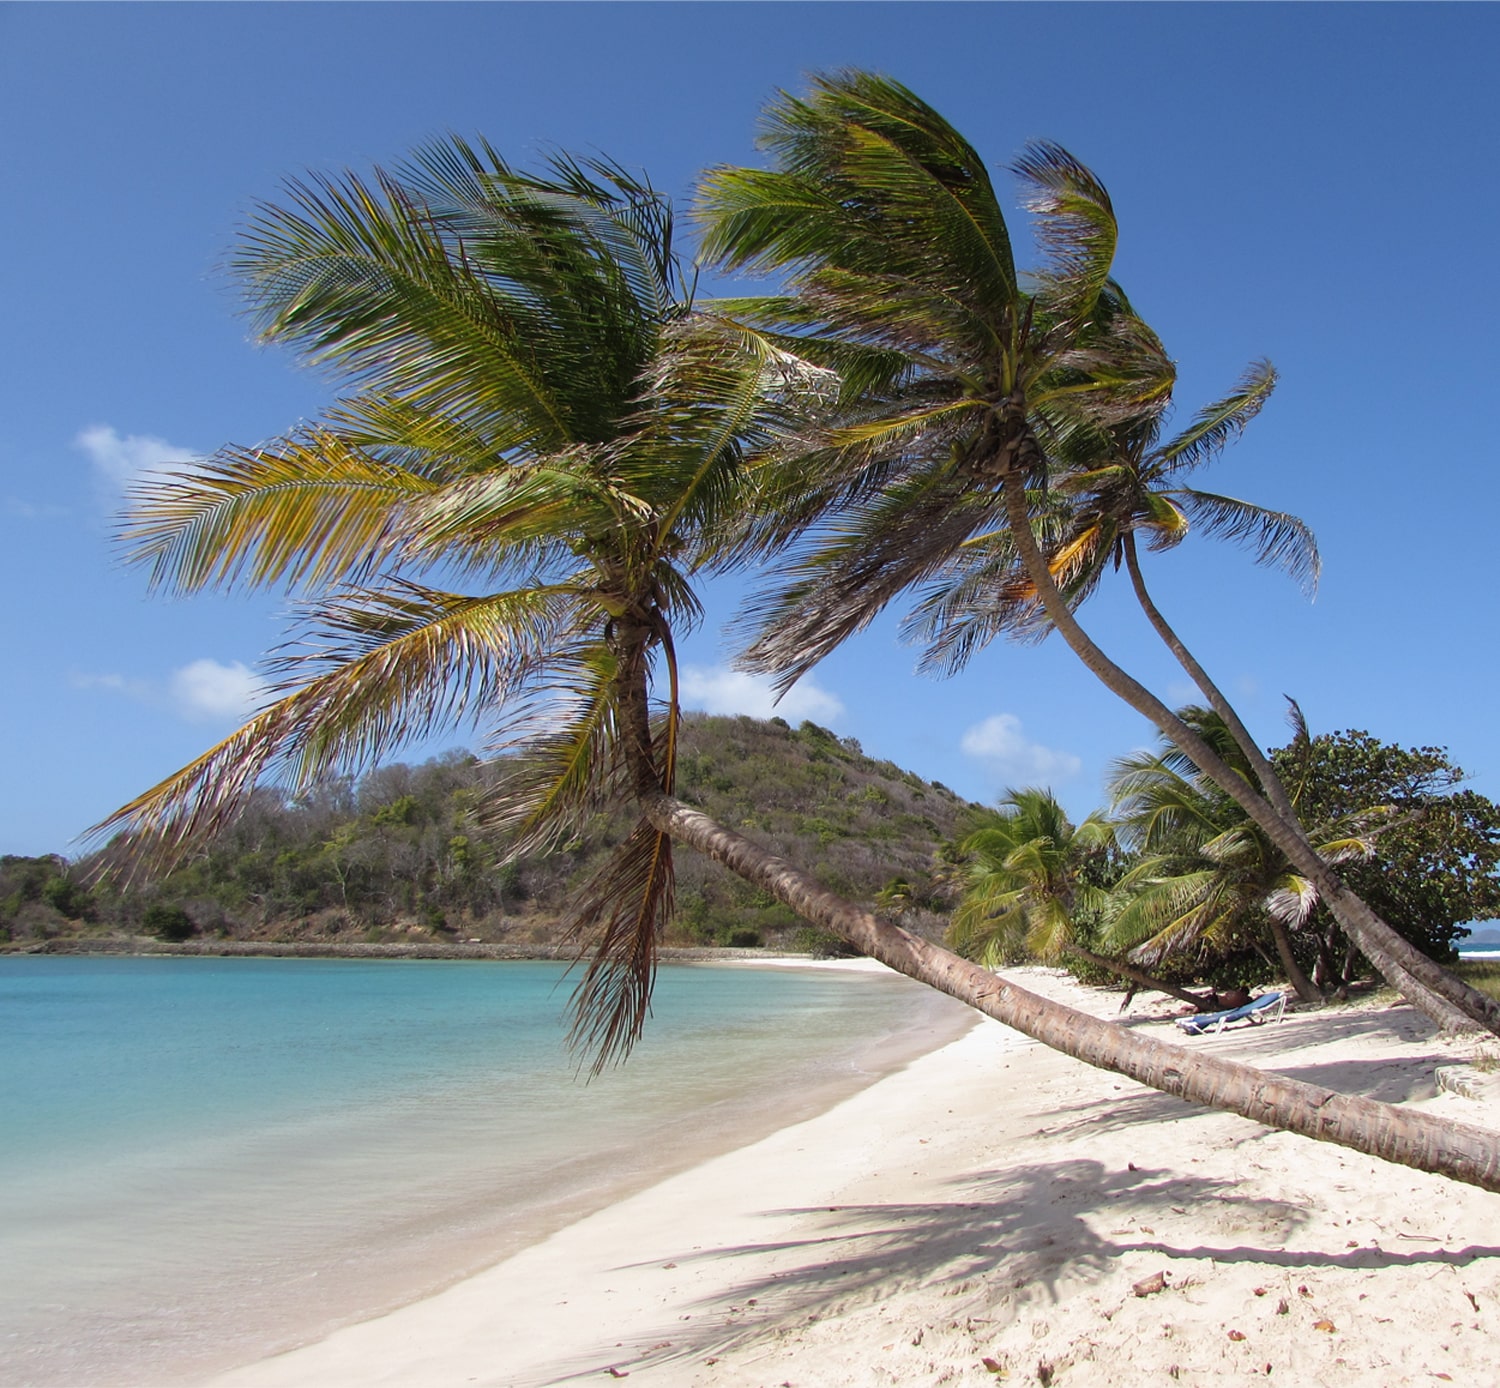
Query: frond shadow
x=1017, y=1228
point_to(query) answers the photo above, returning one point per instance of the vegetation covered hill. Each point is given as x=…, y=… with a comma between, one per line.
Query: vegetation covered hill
x=402, y=854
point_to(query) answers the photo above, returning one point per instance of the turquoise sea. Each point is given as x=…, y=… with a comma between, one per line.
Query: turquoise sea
x=203, y=1161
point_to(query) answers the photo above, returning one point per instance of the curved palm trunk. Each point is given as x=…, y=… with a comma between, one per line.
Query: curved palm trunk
x=1302, y=985
x=1135, y=975
x=1393, y=956
x=1270, y=782
x=1414, y=1139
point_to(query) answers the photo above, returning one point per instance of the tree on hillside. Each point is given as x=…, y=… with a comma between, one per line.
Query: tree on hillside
x=965, y=388
x=533, y=409
x=1028, y=892
x=1208, y=877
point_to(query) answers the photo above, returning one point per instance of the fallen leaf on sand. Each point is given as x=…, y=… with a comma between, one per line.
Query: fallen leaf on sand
x=618, y=1373
x=1236, y=1334
x=1325, y=1325
x=1282, y=1308
x=668, y=1266
x=1260, y=1291
x=1302, y=1290
x=1157, y=1282
x=1473, y=1300
x=993, y=1365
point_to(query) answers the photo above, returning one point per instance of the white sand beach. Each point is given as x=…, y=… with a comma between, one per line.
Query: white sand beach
x=984, y=1215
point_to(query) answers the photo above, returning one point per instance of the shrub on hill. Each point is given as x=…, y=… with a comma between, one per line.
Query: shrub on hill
x=402, y=853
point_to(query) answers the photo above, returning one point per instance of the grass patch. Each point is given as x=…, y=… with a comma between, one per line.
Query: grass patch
x=1483, y=974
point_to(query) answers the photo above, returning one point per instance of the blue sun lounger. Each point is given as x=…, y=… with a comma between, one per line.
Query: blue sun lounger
x=1251, y=1012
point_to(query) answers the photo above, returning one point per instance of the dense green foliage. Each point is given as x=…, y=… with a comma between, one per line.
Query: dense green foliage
x=1191, y=889
x=403, y=853
x=1436, y=867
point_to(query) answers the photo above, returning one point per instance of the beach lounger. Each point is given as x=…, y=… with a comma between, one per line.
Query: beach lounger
x=1251, y=1012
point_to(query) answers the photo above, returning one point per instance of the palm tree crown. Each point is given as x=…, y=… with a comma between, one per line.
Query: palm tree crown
x=534, y=413
x=1026, y=888
x=898, y=263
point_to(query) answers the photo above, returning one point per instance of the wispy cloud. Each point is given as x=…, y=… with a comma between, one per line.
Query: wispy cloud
x=122, y=459
x=30, y=510
x=207, y=691
x=1001, y=744
x=202, y=691
x=716, y=689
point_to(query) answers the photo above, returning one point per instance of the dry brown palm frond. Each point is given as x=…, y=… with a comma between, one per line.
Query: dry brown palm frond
x=617, y=924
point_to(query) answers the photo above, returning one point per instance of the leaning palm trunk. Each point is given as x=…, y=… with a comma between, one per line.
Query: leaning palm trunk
x=1419, y=1140
x=1302, y=985
x=1270, y=782
x=1447, y=1000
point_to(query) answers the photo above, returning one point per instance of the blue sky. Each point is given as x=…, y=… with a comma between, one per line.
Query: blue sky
x=1315, y=184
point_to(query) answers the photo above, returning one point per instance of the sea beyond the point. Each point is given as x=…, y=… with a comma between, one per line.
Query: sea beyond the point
x=205, y=1161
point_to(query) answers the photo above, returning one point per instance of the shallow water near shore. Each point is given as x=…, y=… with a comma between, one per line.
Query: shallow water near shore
x=204, y=1161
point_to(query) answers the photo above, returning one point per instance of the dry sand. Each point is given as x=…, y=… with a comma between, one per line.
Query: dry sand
x=982, y=1216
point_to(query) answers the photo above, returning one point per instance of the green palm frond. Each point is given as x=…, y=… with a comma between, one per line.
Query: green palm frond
x=1076, y=228
x=864, y=145
x=1278, y=539
x=1024, y=879
x=303, y=510
x=1216, y=426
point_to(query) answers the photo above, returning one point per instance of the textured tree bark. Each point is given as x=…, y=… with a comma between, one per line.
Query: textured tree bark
x=1406, y=968
x=1457, y=1150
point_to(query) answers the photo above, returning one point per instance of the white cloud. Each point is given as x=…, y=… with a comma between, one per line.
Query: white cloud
x=206, y=691
x=119, y=460
x=202, y=691
x=1000, y=742
x=717, y=690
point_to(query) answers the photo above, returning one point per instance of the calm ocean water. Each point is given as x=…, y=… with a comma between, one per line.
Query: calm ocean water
x=206, y=1160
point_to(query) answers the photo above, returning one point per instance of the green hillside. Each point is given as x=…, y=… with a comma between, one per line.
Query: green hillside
x=402, y=856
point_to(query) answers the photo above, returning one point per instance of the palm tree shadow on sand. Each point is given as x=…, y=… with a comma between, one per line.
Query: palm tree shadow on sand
x=1011, y=1234
x=1004, y=1242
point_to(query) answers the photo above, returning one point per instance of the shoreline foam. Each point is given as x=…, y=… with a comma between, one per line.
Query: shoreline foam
x=995, y=1201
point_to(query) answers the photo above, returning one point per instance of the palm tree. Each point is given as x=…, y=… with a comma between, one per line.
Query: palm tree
x=961, y=383
x=1209, y=873
x=1027, y=888
x=535, y=412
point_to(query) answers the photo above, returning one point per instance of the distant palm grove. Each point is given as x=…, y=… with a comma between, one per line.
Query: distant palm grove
x=546, y=440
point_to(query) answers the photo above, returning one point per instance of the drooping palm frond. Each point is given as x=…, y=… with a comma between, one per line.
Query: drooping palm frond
x=1278, y=539
x=377, y=668
x=616, y=923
